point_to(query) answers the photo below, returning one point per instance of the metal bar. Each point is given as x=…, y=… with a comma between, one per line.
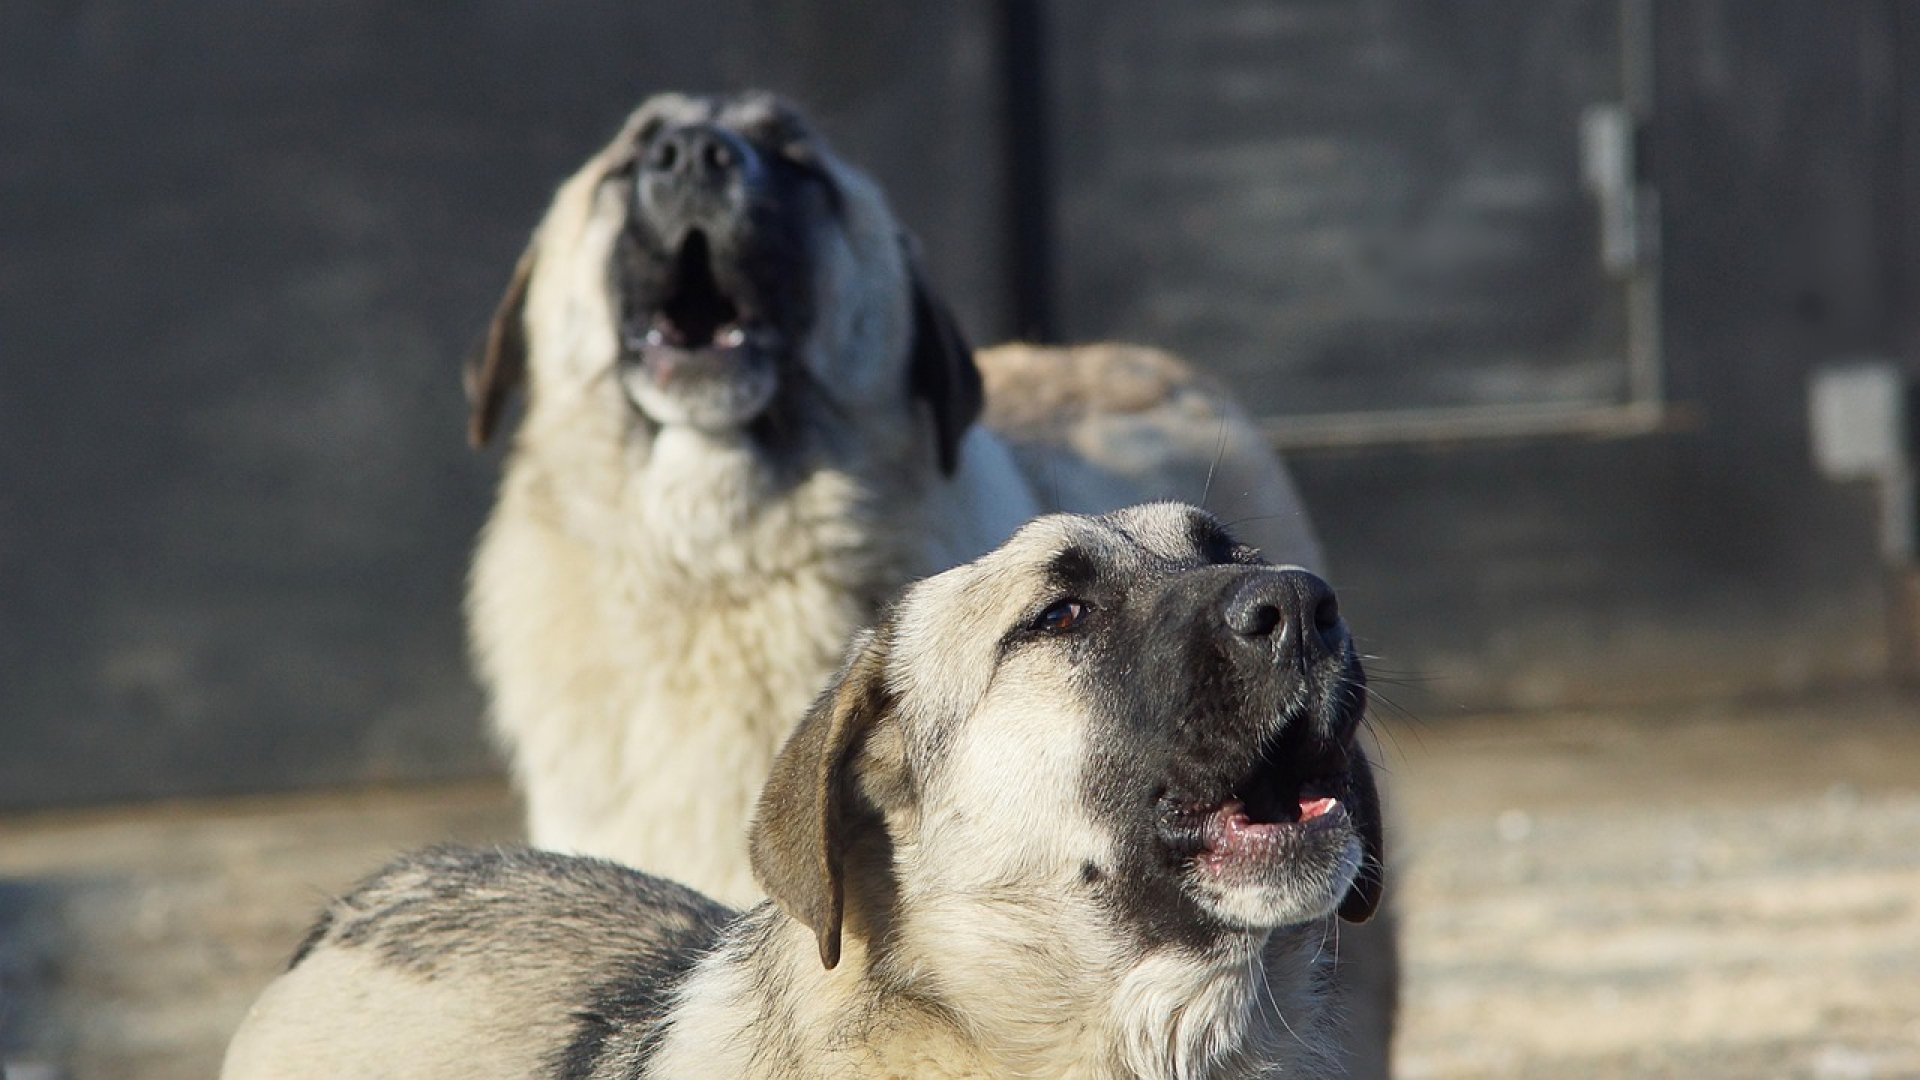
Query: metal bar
x=1472, y=424
x=1027, y=182
x=1646, y=374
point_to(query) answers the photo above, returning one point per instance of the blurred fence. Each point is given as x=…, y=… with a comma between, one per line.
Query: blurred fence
x=1532, y=287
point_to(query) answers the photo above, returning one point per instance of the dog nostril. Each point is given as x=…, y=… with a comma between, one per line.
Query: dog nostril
x=1256, y=620
x=1326, y=616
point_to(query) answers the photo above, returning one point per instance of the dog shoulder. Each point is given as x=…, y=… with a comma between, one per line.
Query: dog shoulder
x=1101, y=426
x=507, y=961
x=1037, y=392
x=440, y=906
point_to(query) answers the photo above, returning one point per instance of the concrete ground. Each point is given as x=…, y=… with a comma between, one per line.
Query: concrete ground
x=1712, y=891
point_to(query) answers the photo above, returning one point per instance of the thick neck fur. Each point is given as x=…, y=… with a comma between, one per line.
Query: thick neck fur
x=650, y=622
x=761, y=1005
x=706, y=512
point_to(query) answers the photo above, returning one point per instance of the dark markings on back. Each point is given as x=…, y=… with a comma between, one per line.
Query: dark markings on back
x=446, y=904
x=623, y=939
x=314, y=936
x=633, y=1003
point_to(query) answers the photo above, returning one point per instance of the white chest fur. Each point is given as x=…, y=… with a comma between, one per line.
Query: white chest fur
x=649, y=644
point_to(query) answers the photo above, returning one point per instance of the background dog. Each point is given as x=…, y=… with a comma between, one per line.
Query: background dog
x=749, y=420
x=1076, y=809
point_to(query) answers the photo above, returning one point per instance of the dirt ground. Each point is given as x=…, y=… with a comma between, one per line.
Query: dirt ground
x=1715, y=891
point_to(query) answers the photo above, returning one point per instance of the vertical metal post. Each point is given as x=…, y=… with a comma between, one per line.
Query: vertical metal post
x=1026, y=180
x=1646, y=378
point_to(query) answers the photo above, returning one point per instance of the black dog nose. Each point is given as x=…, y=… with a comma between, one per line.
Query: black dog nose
x=1290, y=609
x=697, y=155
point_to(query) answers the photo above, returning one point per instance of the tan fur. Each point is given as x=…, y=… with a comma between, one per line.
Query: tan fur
x=946, y=782
x=1036, y=1013
x=1104, y=425
x=649, y=612
x=375, y=1016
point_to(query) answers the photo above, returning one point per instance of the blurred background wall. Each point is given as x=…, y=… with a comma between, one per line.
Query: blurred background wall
x=1531, y=290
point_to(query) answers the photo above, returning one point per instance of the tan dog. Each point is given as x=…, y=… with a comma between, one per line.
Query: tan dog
x=749, y=421
x=1077, y=809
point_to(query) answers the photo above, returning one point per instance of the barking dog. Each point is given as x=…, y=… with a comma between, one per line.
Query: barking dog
x=749, y=420
x=1077, y=809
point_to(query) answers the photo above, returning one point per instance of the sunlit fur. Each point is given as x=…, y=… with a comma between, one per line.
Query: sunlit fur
x=997, y=960
x=974, y=946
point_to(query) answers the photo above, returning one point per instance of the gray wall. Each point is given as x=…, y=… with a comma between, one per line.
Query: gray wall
x=244, y=247
x=1709, y=560
x=1343, y=208
x=1378, y=206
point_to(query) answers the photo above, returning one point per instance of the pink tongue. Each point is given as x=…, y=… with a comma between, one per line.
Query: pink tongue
x=1313, y=808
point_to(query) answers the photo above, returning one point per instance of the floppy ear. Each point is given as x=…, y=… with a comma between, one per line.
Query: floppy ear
x=1363, y=896
x=502, y=363
x=940, y=369
x=800, y=830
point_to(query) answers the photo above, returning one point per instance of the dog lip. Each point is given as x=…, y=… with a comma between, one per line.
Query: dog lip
x=1299, y=802
x=1231, y=840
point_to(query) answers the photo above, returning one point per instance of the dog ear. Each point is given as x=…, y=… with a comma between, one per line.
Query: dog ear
x=501, y=364
x=1363, y=896
x=941, y=370
x=800, y=833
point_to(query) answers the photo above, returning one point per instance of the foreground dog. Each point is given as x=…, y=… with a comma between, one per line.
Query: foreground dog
x=1076, y=809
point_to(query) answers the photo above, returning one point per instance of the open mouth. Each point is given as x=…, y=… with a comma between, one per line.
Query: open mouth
x=695, y=320
x=695, y=351
x=1296, y=789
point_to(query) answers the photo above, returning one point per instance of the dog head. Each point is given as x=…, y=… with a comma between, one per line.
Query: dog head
x=1132, y=720
x=711, y=268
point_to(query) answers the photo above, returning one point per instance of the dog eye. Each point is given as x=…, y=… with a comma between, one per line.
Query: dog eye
x=1063, y=615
